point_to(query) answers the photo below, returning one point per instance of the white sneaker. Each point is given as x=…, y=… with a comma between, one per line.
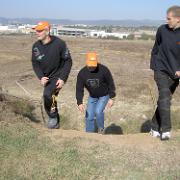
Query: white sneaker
x=154, y=133
x=165, y=136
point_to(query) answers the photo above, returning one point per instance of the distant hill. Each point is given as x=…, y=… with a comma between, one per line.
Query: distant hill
x=127, y=23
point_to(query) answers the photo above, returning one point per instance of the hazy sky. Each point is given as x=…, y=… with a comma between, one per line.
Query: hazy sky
x=86, y=9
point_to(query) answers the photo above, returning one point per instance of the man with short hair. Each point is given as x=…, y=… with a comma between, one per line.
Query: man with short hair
x=52, y=63
x=97, y=79
x=165, y=61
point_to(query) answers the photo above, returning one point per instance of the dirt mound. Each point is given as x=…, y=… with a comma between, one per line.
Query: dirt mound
x=19, y=111
x=13, y=108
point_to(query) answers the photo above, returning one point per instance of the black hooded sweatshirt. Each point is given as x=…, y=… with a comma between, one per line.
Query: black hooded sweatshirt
x=165, y=54
x=51, y=60
x=98, y=83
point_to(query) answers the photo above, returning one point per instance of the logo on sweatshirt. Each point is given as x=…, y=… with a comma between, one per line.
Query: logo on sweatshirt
x=66, y=53
x=178, y=43
x=93, y=83
x=37, y=54
x=40, y=57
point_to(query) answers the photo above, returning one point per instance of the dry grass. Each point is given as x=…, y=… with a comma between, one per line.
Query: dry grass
x=127, y=60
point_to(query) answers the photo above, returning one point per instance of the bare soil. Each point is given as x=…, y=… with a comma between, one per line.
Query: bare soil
x=127, y=60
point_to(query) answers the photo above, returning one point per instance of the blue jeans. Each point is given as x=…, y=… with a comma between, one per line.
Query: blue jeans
x=95, y=110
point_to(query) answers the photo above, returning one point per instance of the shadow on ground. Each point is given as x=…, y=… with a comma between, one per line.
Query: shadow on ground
x=146, y=126
x=113, y=129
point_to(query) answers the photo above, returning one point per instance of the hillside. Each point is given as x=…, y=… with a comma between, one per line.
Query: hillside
x=30, y=151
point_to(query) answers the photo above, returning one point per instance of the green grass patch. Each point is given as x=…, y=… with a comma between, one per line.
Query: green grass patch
x=26, y=154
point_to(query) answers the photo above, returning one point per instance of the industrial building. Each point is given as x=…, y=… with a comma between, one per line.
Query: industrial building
x=63, y=31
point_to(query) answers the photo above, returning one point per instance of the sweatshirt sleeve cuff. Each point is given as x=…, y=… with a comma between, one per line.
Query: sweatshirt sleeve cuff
x=111, y=96
x=79, y=102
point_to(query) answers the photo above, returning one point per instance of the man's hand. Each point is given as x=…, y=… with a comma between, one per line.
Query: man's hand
x=177, y=73
x=110, y=103
x=59, y=84
x=81, y=108
x=44, y=80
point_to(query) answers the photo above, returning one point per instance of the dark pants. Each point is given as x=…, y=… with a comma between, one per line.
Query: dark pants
x=161, y=120
x=49, y=104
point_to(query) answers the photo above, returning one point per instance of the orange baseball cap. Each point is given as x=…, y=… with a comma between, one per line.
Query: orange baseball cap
x=41, y=26
x=91, y=59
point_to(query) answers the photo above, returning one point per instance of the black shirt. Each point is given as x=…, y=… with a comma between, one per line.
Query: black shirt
x=51, y=60
x=98, y=83
x=165, y=54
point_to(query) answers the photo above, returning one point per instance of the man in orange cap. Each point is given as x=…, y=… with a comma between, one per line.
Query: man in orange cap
x=52, y=63
x=97, y=79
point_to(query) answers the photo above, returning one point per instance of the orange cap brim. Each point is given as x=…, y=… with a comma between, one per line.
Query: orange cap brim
x=90, y=63
x=40, y=28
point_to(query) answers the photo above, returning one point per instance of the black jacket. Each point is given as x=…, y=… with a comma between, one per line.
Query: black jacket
x=98, y=83
x=165, y=54
x=51, y=60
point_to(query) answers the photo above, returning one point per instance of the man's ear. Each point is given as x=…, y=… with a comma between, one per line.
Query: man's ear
x=47, y=31
x=178, y=19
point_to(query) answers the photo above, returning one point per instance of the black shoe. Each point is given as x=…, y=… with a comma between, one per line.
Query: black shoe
x=53, y=123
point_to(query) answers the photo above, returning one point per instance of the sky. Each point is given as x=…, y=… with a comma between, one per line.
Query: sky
x=86, y=9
